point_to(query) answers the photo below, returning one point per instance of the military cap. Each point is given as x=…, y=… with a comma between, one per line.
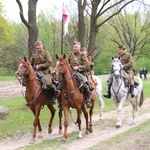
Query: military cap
x=76, y=43
x=38, y=42
x=121, y=47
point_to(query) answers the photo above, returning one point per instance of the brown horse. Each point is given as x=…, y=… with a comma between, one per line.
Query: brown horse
x=72, y=97
x=35, y=96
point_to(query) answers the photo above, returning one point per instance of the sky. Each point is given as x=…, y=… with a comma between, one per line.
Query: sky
x=11, y=8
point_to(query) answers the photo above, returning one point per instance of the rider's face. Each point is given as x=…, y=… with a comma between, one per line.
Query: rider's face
x=39, y=47
x=76, y=48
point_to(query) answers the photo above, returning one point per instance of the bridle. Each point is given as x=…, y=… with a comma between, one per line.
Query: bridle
x=24, y=76
x=119, y=80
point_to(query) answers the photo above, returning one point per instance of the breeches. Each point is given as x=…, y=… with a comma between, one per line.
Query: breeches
x=131, y=77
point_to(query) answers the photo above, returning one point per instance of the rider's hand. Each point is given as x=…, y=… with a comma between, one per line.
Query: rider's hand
x=37, y=67
x=75, y=67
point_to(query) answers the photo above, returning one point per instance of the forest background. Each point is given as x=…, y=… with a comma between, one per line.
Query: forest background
x=130, y=27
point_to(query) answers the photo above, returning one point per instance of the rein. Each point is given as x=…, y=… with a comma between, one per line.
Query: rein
x=119, y=85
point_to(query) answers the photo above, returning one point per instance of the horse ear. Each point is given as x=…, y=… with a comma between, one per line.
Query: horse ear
x=19, y=58
x=112, y=58
x=64, y=56
x=56, y=56
x=119, y=57
x=25, y=58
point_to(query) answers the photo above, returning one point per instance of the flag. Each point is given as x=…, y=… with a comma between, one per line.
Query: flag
x=65, y=19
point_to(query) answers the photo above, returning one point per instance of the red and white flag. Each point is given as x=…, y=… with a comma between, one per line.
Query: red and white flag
x=65, y=19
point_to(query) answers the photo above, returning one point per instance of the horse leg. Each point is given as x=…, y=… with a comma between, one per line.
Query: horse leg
x=60, y=119
x=36, y=122
x=101, y=104
x=118, y=124
x=91, y=114
x=52, y=110
x=79, y=122
x=66, y=117
x=86, y=119
x=135, y=107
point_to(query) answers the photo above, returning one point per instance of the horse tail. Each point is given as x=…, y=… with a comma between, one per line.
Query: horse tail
x=141, y=98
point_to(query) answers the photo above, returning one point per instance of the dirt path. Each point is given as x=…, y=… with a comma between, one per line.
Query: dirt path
x=10, y=89
x=99, y=134
x=94, y=138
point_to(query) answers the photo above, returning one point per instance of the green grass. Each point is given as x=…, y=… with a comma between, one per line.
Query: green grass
x=7, y=78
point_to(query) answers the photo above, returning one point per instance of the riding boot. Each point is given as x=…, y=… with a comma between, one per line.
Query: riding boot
x=87, y=98
x=108, y=95
x=132, y=91
x=41, y=76
x=58, y=85
x=45, y=87
x=53, y=99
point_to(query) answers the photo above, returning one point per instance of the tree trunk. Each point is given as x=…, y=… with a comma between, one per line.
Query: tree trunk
x=30, y=24
x=81, y=24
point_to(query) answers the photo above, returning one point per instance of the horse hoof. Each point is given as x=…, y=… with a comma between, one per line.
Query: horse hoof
x=63, y=141
x=86, y=132
x=118, y=126
x=60, y=132
x=40, y=137
x=32, y=141
x=91, y=131
x=50, y=131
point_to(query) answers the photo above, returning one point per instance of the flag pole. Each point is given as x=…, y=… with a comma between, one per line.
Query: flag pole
x=62, y=33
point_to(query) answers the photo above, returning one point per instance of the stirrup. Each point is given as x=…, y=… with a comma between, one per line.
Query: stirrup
x=88, y=104
x=53, y=100
x=91, y=88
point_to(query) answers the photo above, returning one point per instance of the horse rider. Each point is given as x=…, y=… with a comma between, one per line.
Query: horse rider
x=127, y=65
x=91, y=72
x=79, y=62
x=41, y=61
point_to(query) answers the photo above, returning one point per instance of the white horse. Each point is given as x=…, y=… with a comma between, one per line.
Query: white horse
x=99, y=94
x=120, y=92
x=99, y=97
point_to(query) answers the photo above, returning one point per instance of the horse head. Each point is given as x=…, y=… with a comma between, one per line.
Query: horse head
x=23, y=68
x=116, y=66
x=61, y=64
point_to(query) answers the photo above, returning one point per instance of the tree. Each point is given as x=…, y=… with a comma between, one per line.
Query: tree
x=98, y=8
x=131, y=31
x=30, y=24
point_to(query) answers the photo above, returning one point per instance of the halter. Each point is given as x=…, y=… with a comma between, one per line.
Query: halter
x=118, y=77
x=22, y=75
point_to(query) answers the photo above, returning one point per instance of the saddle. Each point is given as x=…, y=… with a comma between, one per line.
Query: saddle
x=126, y=79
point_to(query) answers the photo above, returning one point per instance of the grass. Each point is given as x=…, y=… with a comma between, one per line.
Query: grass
x=7, y=78
x=19, y=120
x=135, y=137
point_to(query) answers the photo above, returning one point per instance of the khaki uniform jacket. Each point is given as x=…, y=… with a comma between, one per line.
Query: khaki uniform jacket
x=42, y=59
x=126, y=60
x=80, y=60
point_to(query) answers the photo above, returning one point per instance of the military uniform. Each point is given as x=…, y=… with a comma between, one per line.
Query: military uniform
x=126, y=60
x=79, y=59
x=43, y=60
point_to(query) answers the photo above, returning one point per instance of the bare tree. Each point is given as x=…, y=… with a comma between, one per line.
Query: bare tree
x=98, y=8
x=131, y=31
x=30, y=24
